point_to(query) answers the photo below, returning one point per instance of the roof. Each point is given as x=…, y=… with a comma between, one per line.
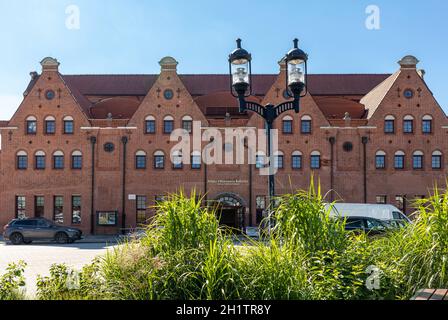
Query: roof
x=211, y=92
x=373, y=99
x=336, y=107
x=202, y=84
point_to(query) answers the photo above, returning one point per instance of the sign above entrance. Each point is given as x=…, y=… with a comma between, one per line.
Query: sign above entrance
x=232, y=182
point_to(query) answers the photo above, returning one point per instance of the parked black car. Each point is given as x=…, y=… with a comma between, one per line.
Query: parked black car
x=26, y=231
x=371, y=226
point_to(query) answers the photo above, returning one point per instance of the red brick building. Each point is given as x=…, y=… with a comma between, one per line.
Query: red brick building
x=93, y=150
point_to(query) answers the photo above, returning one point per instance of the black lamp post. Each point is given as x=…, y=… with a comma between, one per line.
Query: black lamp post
x=240, y=69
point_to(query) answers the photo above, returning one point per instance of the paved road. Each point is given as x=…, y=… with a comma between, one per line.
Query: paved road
x=39, y=258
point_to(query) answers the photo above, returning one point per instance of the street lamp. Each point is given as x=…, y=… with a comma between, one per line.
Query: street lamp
x=240, y=68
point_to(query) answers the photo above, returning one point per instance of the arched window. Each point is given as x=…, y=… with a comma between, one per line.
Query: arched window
x=399, y=160
x=260, y=161
x=437, y=160
x=168, y=124
x=69, y=127
x=306, y=125
x=427, y=124
x=315, y=160
x=408, y=124
x=187, y=124
x=22, y=160
x=177, y=160
x=287, y=125
x=389, y=124
x=77, y=160
x=31, y=125
x=279, y=160
x=39, y=160
x=196, y=160
x=150, y=125
x=417, y=160
x=380, y=160
x=58, y=160
x=140, y=160
x=296, y=160
x=159, y=160
x=50, y=125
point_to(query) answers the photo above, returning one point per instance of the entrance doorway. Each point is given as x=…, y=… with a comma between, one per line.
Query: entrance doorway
x=230, y=211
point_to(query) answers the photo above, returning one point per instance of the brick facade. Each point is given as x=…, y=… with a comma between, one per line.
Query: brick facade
x=347, y=114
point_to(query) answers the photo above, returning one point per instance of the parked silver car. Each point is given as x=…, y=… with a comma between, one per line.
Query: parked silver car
x=20, y=231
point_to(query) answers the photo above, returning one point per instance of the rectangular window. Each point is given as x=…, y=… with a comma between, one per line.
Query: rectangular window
x=381, y=199
x=297, y=162
x=437, y=162
x=389, y=126
x=315, y=162
x=380, y=162
x=260, y=207
x=50, y=127
x=58, y=210
x=400, y=202
x=417, y=162
x=20, y=207
x=107, y=218
x=278, y=162
x=68, y=127
x=141, y=209
x=31, y=127
x=76, y=210
x=40, y=162
x=58, y=162
x=408, y=126
x=159, y=162
x=305, y=127
x=140, y=162
x=39, y=206
x=168, y=126
x=287, y=126
x=22, y=162
x=150, y=126
x=77, y=162
x=399, y=162
x=187, y=125
x=427, y=126
x=196, y=162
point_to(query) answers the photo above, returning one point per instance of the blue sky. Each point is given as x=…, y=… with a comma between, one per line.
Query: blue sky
x=118, y=36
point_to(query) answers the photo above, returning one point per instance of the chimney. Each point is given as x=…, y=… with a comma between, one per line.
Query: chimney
x=50, y=64
x=282, y=64
x=421, y=73
x=408, y=62
x=168, y=64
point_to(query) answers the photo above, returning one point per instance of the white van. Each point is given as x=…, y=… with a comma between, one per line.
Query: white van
x=385, y=212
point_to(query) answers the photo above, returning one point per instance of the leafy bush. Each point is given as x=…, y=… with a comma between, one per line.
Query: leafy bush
x=67, y=284
x=12, y=283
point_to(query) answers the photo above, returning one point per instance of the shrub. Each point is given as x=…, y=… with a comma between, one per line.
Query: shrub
x=12, y=283
x=67, y=284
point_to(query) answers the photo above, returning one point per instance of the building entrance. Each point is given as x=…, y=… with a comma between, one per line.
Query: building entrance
x=230, y=211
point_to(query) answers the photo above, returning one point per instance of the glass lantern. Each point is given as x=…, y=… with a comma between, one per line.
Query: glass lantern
x=296, y=63
x=240, y=71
